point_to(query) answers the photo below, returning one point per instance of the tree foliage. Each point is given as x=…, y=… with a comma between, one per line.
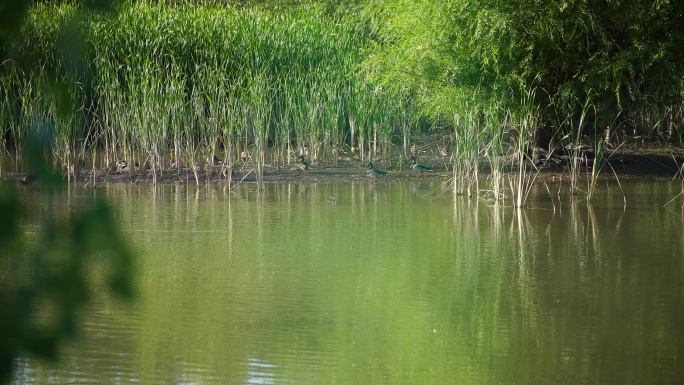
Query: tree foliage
x=626, y=55
x=44, y=280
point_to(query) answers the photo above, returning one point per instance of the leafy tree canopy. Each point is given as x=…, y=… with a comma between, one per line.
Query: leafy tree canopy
x=626, y=54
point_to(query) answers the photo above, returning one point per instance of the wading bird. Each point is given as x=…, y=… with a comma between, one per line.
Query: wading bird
x=121, y=165
x=420, y=168
x=216, y=161
x=28, y=179
x=375, y=173
x=303, y=164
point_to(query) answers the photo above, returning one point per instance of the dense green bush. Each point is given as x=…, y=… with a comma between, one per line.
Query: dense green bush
x=624, y=57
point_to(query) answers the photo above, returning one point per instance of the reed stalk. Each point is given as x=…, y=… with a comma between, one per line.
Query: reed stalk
x=597, y=165
x=575, y=128
x=258, y=115
x=7, y=104
x=522, y=181
x=494, y=150
x=467, y=145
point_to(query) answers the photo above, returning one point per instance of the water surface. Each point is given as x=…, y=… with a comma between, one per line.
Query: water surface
x=388, y=283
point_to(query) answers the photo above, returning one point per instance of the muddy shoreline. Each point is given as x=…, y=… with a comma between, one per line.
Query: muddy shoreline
x=660, y=163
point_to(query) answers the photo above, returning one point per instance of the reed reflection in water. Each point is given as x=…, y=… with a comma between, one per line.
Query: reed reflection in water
x=388, y=283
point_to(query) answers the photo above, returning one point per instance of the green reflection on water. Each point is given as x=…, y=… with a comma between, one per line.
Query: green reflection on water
x=389, y=283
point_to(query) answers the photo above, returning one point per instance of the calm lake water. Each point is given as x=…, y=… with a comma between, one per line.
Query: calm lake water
x=388, y=283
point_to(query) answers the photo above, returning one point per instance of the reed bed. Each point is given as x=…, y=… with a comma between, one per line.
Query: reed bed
x=202, y=89
x=522, y=182
x=177, y=87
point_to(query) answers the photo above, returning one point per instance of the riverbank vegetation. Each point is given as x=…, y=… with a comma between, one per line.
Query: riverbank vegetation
x=499, y=86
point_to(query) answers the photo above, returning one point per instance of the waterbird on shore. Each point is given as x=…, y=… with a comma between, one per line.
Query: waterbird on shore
x=121, y=165
x=375, y=173
x=303, y=164
x=419, y=168
x=216, y=160
x=28, y=179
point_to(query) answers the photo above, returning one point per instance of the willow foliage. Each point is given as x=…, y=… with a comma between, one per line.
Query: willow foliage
x=627, y=55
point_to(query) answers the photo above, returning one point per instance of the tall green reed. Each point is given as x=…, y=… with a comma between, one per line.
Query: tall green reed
x=258, y=118
x=8, y=124
x=522, y=181
x=175, y=85
x=573, y=125
x=468, y=131
x=497, y=127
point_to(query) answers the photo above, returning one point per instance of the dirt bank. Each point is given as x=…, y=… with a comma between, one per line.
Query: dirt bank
x=651, y=161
